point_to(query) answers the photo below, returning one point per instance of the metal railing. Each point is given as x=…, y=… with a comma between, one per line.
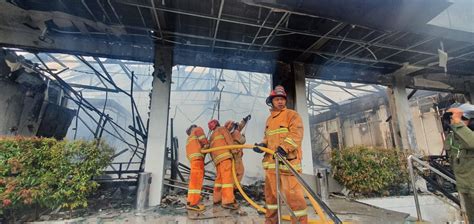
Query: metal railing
x=411, y=160
x=122, y=169
x=321, y=203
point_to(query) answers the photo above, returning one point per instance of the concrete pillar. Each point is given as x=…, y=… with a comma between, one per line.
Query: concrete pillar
x=302, y=107
x=395, y=129
x=402, y=118
x=340, y=130
x=158, y=123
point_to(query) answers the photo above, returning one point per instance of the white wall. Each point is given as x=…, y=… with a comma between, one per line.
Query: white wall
x=428, y=131
x=375, y=131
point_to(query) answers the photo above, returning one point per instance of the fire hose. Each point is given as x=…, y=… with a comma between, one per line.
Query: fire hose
x=317, y=208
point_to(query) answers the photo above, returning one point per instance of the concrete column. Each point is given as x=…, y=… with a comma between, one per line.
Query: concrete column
x=395, y=129
x=158, y=123
x=402, y=118
x=340, y=130
x=302, y=107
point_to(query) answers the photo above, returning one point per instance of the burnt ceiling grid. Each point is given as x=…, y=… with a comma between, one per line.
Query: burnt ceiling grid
x=261, y=22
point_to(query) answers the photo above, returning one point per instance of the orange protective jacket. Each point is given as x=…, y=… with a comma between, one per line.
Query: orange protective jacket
x=196, y=141
x=238, y=139
x=284, y=128
x=220, y=137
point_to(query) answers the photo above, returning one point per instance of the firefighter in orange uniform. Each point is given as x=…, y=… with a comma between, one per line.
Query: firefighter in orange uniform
x=196, y=141
x=238, y=138
x=284, y=135
x=223, y=185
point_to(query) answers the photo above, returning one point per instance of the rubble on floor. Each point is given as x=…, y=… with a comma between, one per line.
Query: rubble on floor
x=254, y=191
x=104, y=201
x=172, y=201
x=116, y=206
x=175, y=212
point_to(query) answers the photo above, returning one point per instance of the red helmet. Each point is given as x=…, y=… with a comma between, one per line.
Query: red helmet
x=278, y=91
x=212, y=124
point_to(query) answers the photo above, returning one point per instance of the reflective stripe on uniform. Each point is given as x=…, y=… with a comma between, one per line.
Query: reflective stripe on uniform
x=272, y=206
x=198, y=154
x=291, y=142
x=217, y=138
x=217, y=185
x=190, y=191
x=277, y=131
x=202, y=137
x=300, y=213
x=221, y=156
x=267, y=165
x=190, y=139
x=227, y=185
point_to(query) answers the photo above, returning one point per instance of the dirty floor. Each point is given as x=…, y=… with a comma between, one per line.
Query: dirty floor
x=347, y=210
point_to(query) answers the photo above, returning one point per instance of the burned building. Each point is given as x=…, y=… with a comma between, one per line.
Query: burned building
x=367, y=121
x=117, y=63
x=32, y=105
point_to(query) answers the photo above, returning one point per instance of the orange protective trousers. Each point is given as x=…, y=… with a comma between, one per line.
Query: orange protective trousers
x=196, y=177
x=292, y=192
x=223, y=185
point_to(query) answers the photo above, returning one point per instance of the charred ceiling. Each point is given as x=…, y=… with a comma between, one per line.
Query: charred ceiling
x=341, y=40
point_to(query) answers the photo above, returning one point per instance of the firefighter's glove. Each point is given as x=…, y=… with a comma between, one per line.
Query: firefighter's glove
x=245, y=119
x=257, y=149
x=281, y=152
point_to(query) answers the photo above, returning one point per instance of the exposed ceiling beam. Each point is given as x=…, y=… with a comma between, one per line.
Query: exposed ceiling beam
x=280, y=29
x=129, y=74
x=76, y=85
x=326, y=98
x=274, y=29
x=156, y=18
x=321, y=41
x=217, y=24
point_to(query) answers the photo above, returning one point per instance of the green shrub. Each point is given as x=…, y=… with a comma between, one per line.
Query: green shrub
x=369, y=170
x=46, y=173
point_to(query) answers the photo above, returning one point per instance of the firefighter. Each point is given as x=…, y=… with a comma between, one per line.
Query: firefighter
x=238, y=138
x=223, y=185
x=196, y=141
x=459, y=144
x=284, y=135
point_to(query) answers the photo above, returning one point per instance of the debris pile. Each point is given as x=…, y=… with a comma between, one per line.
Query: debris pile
x=254, y=191
x=172, y=201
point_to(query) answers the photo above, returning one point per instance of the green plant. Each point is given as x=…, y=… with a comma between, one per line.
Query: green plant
x=369, y=170
x=46, y=173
